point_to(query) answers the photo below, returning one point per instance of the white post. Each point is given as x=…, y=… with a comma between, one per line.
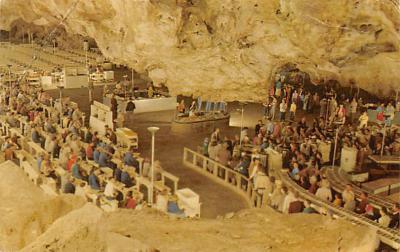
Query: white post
x=9, y=77
x=383, y=138
x=241, y=127
x=133, y=83
x=153, y=131
x=335, y=147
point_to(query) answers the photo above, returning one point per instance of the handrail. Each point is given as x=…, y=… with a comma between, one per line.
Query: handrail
x=388, y=236
x=222, y=174
x=338, y=183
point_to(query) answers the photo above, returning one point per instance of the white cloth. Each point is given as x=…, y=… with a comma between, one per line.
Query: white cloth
x=384, y=221
x=109, y=190
x=324, y=193
x=286, y=202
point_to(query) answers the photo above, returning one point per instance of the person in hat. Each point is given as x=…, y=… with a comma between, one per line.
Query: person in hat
x=173, y=207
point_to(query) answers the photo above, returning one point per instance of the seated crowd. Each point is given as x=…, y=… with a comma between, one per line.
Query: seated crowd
x=301, y=145
x=80, y=160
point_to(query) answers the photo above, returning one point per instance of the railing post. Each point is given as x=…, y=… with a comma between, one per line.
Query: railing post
x=205, y=164
x=195, y=159
x=226, y=172
x=184, y=154
x=215, y=169
x=238, y=181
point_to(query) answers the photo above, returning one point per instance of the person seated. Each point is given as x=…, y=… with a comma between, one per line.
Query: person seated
x=362, y=205
x=296, y=205
x=9, y=152
x=243, y=166
x=36, y=137
x=130, y=201
x=69, y=187
x=104, y=159
x=117, y=174
x=129, y=160
x=89, y=151
x=96, y=155
x=173, y=207
x=338, y=200
x=111, y=136
x=126, y=179
x=349, y=198
x=93, y=180
x=88, y=136
x=71, y=161
x=395, y=222
x=109, y=190
x=75, y=170
x=384, y=220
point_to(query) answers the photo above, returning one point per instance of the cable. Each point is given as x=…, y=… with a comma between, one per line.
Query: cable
x=50, y=35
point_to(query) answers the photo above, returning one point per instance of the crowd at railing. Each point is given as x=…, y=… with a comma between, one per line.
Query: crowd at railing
x=306, y=148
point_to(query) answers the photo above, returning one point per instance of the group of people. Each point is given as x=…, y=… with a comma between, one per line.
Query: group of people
x=57, y=129
x=288, y=99
x=198, y=108
x=305, y=147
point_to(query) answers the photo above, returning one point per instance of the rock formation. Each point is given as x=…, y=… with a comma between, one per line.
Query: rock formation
x=231, y=49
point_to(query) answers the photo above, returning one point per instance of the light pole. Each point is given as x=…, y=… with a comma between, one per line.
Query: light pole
x=153, y=131
x=9, y=76
x=54, y=45
x=60, y=88
x=242, y=104
x=86, y=48
x=383, y=138
x=335, y=146
x=133, y=83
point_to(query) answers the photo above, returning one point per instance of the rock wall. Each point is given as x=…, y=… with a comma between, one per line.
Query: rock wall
x=32, y=221
x=230, y=49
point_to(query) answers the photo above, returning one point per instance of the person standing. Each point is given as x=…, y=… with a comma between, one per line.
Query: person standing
x=353, y=110
x=130, y=109
x=292, y=111
x=389, y=114
x=380, y=117
x=114, y=106
x=282, y=110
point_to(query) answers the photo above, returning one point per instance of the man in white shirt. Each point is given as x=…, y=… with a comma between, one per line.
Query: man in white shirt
x=324, y=192
x=289, y=198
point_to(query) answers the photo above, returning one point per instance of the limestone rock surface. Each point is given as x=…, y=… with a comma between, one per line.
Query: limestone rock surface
x=33, y=221
x=231, y=49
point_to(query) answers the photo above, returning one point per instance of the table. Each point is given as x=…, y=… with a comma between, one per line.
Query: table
x=144, y=105
x=127, y=137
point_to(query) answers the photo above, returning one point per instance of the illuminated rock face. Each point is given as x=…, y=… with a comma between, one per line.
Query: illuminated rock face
x=230, y=49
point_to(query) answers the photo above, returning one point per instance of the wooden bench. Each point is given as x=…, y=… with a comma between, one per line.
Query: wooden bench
x=173, y=178
x=49, y=186
x=33, y=174
x=35, y=148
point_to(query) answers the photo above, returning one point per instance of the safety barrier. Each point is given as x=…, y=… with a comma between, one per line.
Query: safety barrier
x=244, y=187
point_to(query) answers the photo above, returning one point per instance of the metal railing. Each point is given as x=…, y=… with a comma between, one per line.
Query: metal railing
x=244, y=186
x=222, y=174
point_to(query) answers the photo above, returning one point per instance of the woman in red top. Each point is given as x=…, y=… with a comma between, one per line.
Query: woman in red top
x=71, y=162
